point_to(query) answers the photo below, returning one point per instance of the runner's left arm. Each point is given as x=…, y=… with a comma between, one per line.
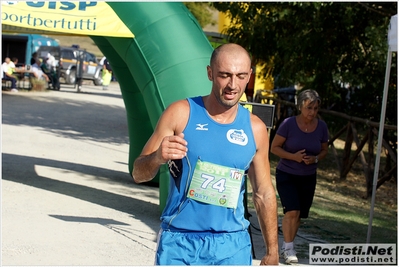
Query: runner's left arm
x=264, y=195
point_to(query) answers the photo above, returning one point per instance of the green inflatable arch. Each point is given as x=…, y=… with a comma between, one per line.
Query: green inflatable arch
x=164, y=62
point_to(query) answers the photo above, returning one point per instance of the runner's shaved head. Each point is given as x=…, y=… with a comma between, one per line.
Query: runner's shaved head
x=231, y=49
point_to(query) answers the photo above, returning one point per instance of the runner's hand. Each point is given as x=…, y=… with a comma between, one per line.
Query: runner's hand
x=269, y=260
x=172, y=147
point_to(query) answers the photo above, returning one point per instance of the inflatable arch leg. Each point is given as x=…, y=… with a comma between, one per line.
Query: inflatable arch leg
x=164, y=62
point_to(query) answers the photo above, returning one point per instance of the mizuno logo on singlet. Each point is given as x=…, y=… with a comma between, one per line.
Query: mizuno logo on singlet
x=201, y=127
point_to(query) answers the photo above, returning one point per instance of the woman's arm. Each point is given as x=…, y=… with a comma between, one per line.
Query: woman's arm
x=278, y=150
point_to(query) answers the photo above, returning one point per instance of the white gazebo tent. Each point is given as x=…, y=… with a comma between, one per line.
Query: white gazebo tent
x=392, y=47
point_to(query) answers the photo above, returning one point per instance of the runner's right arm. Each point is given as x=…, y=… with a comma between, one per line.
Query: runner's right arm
x=166, y=143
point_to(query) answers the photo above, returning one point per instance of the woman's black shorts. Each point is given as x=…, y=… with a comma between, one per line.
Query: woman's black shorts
x=296, y=191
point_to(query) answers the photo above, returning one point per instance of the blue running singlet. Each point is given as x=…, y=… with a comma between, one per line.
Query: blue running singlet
x=222, y=152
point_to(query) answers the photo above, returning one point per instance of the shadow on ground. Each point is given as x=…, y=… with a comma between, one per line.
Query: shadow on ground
x=68, y=118
x=21, y=169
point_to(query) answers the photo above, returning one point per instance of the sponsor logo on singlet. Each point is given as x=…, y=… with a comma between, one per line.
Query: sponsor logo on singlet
x=237, y=137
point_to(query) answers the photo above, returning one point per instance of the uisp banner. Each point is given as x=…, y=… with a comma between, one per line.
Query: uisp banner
x=63, y=17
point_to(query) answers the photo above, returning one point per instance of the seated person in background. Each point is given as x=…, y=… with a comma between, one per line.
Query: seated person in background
x=8, y=68
x=17, y=75
x=39, y=79
x=15, y=61
x=48, y=66
x=51, y=61
x=37, y=71
x=34, y=58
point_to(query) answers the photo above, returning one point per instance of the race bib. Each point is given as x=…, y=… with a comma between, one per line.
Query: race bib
x=215, y=184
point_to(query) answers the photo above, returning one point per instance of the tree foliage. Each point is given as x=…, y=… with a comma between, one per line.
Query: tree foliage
x=335, y=48
x=201, y=11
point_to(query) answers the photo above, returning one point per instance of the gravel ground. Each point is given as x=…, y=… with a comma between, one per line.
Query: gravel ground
x=67, y=196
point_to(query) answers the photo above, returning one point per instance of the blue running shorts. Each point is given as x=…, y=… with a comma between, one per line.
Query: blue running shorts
x=177, y=248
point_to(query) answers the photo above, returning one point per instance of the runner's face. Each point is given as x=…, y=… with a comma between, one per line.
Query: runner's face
x=229, y=75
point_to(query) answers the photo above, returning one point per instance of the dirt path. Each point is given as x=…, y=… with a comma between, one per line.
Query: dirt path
x=67, y=197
